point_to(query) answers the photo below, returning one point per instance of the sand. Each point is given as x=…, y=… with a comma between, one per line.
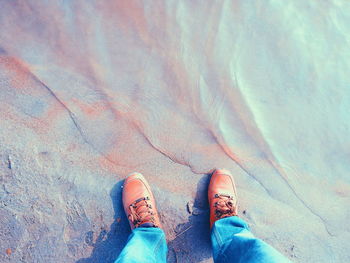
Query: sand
x=93, y=90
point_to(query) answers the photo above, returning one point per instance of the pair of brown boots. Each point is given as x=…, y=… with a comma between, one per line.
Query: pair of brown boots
x=140, y=207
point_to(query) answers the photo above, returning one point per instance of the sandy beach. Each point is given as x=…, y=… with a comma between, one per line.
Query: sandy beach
x=91, y=91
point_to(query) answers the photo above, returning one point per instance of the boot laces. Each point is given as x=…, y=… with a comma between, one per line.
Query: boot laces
x=141, y=212
x=224, y=206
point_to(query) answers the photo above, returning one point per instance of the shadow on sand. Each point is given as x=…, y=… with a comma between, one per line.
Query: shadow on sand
x=192, y=242
x=108, y=245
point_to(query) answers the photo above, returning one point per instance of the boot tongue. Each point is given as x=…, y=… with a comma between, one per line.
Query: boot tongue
x=147, y=225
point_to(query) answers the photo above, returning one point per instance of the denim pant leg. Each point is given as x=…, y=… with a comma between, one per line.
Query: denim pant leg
x=233, y=242
x=145, y=245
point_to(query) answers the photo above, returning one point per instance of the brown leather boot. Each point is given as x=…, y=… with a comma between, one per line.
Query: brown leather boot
x=138, y=201
x=222, y=196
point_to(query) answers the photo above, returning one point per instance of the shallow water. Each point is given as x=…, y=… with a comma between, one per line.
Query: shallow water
x=91, y=91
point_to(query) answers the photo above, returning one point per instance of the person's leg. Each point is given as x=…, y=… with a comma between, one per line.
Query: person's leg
x=233, y=242
x=231, y=239
x=146, y=243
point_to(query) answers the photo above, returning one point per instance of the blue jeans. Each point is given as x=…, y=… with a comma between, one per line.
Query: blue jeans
x=231, y=239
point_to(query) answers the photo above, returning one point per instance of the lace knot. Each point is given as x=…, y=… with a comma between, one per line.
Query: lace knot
x=141, y=212
x=224, y=206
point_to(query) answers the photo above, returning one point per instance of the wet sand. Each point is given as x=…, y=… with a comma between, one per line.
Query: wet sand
x=91, y=91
